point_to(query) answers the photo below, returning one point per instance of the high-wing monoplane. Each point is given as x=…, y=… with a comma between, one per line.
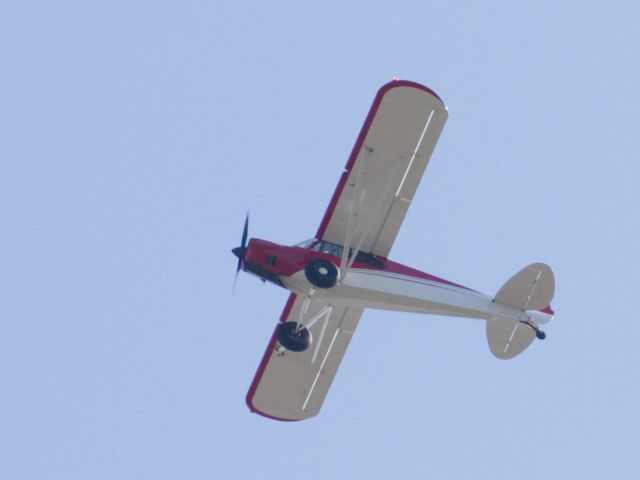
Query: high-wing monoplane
x=345, y=268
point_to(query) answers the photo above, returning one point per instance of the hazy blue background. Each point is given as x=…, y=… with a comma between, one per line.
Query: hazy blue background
x=135, y=135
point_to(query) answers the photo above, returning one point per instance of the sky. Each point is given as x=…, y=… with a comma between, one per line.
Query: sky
x=134, y=137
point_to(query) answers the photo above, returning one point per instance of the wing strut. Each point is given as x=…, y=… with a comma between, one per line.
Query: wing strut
x=305, y=306
x=369, y=224
x=327, y=314
x=324, y=312
x=356, y=201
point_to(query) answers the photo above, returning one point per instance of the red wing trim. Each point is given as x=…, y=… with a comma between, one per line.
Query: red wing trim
x=358, y=145
x=265, y=360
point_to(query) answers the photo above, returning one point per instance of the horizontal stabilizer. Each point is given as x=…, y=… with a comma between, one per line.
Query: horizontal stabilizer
x=531, y=288
x=507, y=338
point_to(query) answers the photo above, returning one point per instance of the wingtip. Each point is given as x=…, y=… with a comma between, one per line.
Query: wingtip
x=259, y=412
x=397, y=82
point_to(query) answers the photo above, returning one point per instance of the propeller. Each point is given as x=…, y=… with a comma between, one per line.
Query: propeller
x=241, y=250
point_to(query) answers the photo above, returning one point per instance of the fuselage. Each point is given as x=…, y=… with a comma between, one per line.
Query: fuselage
x=374, y=282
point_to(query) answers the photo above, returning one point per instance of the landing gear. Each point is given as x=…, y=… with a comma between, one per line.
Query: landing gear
x=321, y=273
x=540, y=335
x=294, y=337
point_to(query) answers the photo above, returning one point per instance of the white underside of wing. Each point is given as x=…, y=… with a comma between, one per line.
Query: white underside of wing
x=293, y=385
x=387, y=171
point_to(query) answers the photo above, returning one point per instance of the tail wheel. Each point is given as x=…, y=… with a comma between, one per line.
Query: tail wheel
x=294, y=337
x=321, y=273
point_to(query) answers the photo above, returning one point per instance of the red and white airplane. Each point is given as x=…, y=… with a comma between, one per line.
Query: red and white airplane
x=344, y=269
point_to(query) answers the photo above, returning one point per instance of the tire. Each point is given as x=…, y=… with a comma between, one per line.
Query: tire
x=292, y=340
x=321, y=273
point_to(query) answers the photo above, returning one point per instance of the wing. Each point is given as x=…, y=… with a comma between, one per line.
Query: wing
x=385, y=168
x=293, y=386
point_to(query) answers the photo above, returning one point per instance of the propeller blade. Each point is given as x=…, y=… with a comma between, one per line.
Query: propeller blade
x=235, y=280
x=245, y=231
x=241, y=250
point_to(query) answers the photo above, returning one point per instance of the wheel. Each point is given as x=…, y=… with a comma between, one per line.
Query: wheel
x=540, y=335
x=321, y=273
x=292, y=340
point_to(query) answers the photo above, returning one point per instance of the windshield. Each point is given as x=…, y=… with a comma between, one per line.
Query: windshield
x=336, y=250
x=306, y=243
x=321, y=246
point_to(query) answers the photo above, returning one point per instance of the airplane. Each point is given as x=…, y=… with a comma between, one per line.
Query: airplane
x=345, y=269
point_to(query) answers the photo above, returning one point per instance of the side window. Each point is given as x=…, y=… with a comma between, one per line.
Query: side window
x=331, y=249
x=309, y=244
x=325, y=247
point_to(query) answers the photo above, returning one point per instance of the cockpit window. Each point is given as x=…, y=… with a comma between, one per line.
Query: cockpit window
x=307, y=243
x=361, y=257
x=331, y=249
x=336, y=250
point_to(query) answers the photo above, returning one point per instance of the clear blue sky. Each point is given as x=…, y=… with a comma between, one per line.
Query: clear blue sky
x=135, y=135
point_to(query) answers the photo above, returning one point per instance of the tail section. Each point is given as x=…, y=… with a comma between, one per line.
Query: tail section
x=530, y=291
x=507, y=338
